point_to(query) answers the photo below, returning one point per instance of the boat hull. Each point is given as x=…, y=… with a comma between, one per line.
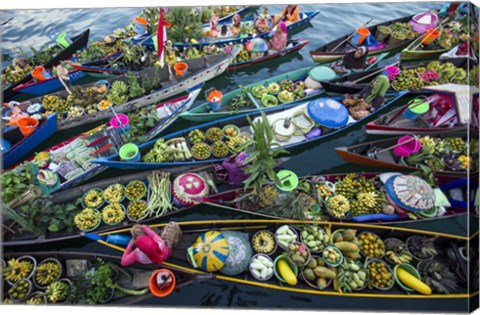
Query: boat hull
x=78, y=43
x=50, y=85
x=20, y=149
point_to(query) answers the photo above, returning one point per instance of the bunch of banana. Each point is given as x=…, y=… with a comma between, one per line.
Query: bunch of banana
x=17, y=269
x=263, y=242
x=35, y=300
x=402, y=257
x=47, y=273
x=57, y=291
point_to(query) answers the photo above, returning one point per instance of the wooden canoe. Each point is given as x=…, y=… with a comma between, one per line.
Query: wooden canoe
x=295, y=45
x=133, y=277
x=22, y=145
x=273, y=114
x=325, y=54
x=200, y=70
x=394, y=123
x=78, y=42
x=103, y=139
x=446, y=243
x=12, y=236
x=228, y=18
x=305, y=18
x=203, y=113
x=363, y=154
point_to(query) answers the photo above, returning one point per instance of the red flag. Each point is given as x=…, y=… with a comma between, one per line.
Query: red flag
x=160, y=33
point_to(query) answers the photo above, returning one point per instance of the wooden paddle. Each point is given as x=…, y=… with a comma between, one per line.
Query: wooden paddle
x=351, y=35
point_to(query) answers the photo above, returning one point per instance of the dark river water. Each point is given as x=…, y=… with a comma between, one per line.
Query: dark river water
x=32, y=27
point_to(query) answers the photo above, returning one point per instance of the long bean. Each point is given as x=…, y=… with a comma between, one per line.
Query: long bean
x=160, y=202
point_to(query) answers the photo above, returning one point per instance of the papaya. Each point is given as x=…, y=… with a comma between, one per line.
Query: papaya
x=349, y=235
x=322, y=283
x=323, y=272
x=309, y=275
x=346, y=247
x=353, y=256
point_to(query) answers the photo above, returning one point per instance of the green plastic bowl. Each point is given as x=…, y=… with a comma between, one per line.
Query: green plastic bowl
x=291, y=264
x=412, y=270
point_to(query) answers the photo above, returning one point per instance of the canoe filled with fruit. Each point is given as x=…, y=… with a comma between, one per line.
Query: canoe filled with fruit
x=65, y=278
x=290, y=126
x=445, y=154
x=69, y=163
x=321, y=258
x=92, y=102
x=354, y=197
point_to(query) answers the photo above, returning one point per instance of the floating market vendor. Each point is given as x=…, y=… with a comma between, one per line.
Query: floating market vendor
x=290, y=14
x=236, y=21
x=170, y=56
x=369, y=99
x=151, y=247
x=355, y=60
x=213, y=24
x=279, y=39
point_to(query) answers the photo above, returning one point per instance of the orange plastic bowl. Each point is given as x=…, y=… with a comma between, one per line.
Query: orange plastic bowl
x=153, y=284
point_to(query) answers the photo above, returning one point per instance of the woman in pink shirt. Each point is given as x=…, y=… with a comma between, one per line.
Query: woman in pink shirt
x=150, y=248
x=279, y=40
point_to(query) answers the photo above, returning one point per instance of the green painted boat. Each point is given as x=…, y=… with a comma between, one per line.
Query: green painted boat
x=203, y=112
x=408, y=54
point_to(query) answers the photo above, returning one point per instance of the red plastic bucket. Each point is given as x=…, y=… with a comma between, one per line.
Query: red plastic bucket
x=162, y=277
x=180, y=68
x=360, y=35
x=430, y=36
x=27, y=125
x=40, y=73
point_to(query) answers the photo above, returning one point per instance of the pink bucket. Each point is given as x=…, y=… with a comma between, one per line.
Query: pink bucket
x=392, y=72
x=406, y=146
x=114, y=121
x=420, y=23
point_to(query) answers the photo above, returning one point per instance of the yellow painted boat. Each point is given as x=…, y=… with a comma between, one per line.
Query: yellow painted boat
x=449, y=248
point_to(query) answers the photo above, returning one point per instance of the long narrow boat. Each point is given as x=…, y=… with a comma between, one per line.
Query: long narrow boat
x=292, y=46
x=14, y=236
x=105, y=66
x=246, y=100
x=418, y=51
x=166, y=85
x=222, y=199
x=305, y=18
x=228, y=18
x=355, y=82
x=325, y=54
x=21, y=145
x=380, y=153
x=446, y=250
x=442, y=116
x=76, y=154
x=75, y=264
x=276, y=116
x=78, y=42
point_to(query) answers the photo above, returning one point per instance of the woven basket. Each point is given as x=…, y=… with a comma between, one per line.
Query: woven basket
x=301, y=130
x=171, y=234
x=281, y=137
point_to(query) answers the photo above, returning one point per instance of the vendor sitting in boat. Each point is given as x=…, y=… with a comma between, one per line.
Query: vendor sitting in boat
x=290, y=14
x=213, y=24
x=151, y=248
x=279, y=39
x=236, y=21
x=353, y=61
x=369, y=99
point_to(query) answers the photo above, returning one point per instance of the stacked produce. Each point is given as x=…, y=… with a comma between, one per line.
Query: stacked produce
x=18, y=269
x=434, y=73
x=261, y=267
x=137, y=209
x=135, y=190
x=397, y=252
x=285, y=236
x=168, y=151
x=114, y=193
x=298, y=253
x=113, y=213
x=87, y=219
x=352, y=276
x=371, y=245
x=47, y=272
x=240, y=102
x=318, y=274
x=263, y=242
x=315, y=237
x=347, y=243
x=58, y=291
x=285, y=91
x=93, y=198
x=160, y=199
x=380, y=275
x=20, y=290
x=439, y=154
